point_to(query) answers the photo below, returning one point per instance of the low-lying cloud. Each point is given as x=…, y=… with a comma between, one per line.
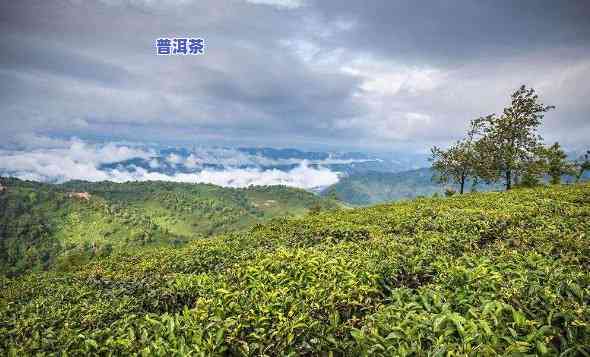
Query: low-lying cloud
x=78, y=160
x=301, y=176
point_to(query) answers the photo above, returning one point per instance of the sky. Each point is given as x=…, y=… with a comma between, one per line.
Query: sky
x=328, y=74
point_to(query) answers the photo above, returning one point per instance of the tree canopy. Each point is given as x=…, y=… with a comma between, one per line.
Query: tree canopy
x=507, y=147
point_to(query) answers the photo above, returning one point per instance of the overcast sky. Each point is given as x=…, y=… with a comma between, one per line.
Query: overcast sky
x=326, y=74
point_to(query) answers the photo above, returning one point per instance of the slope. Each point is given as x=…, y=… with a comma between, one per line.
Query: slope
x=365, y=188
x=374, y=187
x=45, y=225
x=482, y=274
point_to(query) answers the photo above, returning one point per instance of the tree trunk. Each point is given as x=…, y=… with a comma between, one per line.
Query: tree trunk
x=462, y=184
x=508, y=179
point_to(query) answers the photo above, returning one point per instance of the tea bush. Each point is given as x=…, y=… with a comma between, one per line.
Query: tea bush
x=478, y=274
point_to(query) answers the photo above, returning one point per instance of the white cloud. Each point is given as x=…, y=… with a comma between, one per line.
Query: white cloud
x=387, y=78
x=82, y=152
x=329, y=73
x=281, y=4
x=49, y=166
x=302, y=176
x=174, y=159
x=78, y=160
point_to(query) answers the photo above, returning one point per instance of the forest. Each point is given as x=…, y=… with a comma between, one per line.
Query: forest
x=46, y=226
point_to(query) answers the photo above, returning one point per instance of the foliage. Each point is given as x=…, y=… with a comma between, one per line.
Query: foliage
x=583, y=165
x=43, y=226
x=556, y=163
x=478, y=274
x=449, y=192
x=507, y=147
x=509, y=142
x=459, y=162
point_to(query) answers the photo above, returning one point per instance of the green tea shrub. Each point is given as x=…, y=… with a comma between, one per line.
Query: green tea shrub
x=477, y=274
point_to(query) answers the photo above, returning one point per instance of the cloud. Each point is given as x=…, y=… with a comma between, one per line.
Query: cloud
x=282, y=4
x=301, y=176
x=66, y=160
x=460, y=32
x=390, y=78
x=77, y=160
x=329, y=74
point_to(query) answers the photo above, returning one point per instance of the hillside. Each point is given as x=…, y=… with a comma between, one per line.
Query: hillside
x=377, y=187
x=481, y=274
x=44, y=225
x=373, y=187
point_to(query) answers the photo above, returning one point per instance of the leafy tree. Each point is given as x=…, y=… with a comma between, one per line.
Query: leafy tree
x=556, y=163
x=532, y=171
x=458, y=162
x=510, y=142
x=582, y=165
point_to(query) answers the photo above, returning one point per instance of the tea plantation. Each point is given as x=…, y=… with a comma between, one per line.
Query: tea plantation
x=483, y=274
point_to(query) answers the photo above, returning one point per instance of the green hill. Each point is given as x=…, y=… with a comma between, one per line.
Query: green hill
x=373, y=187
x=44, y=225
x=480, y=274
x=376, y=187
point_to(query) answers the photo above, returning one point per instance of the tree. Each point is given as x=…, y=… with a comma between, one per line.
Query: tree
x=510, y=142
x=556, y=163
x=458, y=162
x=582, y=165
x=532, y=171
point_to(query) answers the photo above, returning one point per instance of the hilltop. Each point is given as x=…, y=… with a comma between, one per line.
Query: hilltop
x=44, y=226
x=478, y=274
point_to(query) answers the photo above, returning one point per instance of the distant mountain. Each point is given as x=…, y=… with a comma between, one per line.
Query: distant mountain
x=170, y=161
x=223, y=166
x=344, y=162
x=375, y=187
x=286, y=154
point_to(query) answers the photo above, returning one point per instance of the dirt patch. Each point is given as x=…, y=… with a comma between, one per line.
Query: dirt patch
x=80, y=195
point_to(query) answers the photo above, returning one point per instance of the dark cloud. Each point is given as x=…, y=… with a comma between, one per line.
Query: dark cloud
x=375, y=75
x=42, y=58
x=454, y=32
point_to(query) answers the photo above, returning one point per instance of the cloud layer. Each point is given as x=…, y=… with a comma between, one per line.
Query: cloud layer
x=77, y=160
x=379, y=75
